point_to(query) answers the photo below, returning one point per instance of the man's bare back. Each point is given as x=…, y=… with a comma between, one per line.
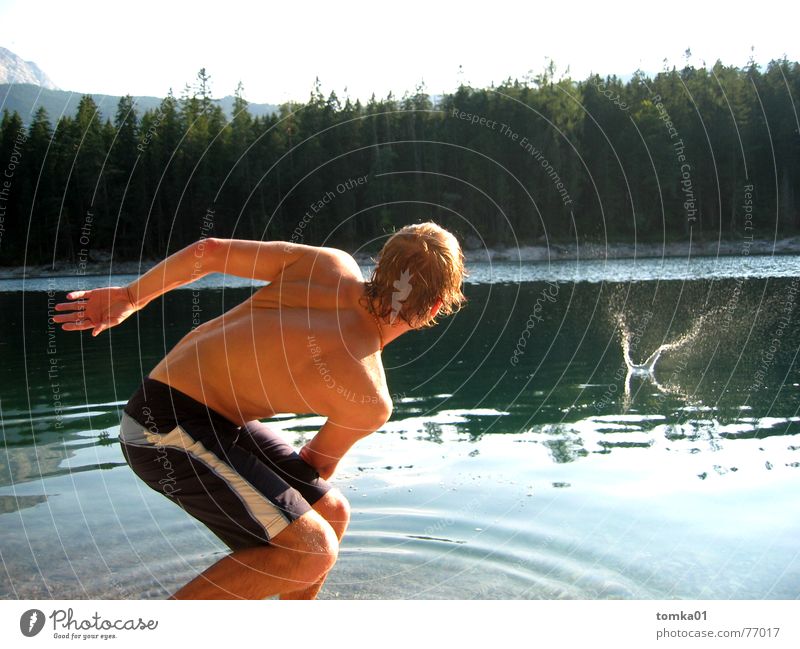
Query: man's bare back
x=302, y=344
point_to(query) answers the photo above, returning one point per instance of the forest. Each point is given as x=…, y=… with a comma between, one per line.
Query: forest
x=706, y=153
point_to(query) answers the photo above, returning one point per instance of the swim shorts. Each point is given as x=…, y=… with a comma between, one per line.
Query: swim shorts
x=245, y=483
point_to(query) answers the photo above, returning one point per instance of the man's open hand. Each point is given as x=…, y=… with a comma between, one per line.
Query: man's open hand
x=98, y=309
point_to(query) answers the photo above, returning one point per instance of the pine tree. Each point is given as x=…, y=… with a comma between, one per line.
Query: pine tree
x=13, y=157
x=40, y=196
x=126, y=179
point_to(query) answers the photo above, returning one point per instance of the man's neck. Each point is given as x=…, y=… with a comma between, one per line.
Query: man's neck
x=388, y=330
x=391, y=331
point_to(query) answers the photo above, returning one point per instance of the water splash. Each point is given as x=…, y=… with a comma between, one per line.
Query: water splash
x=648, y=366
x=646, y=369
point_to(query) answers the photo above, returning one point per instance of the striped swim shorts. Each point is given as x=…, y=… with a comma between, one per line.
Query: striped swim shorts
x=245, y=483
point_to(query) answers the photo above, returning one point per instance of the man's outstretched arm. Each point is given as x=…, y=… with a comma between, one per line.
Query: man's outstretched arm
x=263, y=260
x=102, y=308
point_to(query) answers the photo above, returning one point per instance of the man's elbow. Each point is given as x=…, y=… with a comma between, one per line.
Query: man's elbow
x=207, y=255
x=384, y=413
x=360, y=424
x=375, y=419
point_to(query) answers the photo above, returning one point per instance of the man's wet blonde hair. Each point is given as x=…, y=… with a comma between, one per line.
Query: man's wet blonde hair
x=417, y=266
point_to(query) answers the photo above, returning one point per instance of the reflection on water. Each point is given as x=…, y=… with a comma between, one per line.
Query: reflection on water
x=644, y=446
x=10, y=504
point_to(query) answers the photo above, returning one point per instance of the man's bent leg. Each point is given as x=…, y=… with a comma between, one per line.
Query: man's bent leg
x=272, y=449
x=335, y=509
x=189, y=453
x=300, y=556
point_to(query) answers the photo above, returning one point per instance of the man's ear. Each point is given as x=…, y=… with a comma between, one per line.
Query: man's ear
x=436, y=306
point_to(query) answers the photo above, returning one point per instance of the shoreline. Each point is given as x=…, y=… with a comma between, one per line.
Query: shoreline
x=677, y=249
x=524, y=253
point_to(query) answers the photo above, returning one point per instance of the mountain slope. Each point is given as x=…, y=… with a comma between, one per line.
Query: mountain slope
x=15, y=70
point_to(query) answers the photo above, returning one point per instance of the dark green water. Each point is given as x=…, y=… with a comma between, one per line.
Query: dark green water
x=533, y=474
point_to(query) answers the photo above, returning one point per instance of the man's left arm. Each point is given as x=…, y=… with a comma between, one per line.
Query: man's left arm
x=262, y=260
x=102, y=308
x=335, y=438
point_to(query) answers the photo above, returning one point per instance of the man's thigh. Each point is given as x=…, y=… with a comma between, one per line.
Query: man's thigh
x=233, y=492
x=270, y=448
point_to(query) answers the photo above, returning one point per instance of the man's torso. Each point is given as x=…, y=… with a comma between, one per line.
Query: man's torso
x=302, y=344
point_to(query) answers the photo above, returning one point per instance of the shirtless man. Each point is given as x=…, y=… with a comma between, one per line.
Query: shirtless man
x=308, y=342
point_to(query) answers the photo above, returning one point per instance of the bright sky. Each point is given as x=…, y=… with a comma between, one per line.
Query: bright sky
x=277, y=49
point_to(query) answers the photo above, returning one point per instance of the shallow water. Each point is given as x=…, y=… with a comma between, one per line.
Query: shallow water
x=532, y=474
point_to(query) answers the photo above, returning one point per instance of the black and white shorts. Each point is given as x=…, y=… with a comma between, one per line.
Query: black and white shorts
x=245, y=483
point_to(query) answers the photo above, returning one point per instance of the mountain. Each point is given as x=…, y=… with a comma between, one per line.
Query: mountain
x=14, y=70
x=26, y=98
x=24, y=88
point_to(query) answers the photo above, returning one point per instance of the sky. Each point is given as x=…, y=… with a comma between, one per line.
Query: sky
x=358, y=48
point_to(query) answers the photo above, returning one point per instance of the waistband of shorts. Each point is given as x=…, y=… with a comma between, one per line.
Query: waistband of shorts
x=158, y=404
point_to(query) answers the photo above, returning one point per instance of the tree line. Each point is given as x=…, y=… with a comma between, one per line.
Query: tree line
x=703, y=152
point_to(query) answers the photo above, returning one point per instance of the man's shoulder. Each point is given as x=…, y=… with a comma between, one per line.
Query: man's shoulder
x=345, y=259
x=324, y=265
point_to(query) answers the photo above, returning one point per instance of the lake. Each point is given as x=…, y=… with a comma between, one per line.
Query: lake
x=524, y=458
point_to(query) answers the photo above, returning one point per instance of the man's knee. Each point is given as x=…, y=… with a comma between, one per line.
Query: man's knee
x=335, y=509
x=313, y=539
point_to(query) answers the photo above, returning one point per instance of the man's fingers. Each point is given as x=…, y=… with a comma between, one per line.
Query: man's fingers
x=68, y=317
x=76, y=314
x=78, y=325
x=71, y=306
x=75, y=295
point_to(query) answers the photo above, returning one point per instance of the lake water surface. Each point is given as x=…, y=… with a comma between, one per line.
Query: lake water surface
x=521, y=461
